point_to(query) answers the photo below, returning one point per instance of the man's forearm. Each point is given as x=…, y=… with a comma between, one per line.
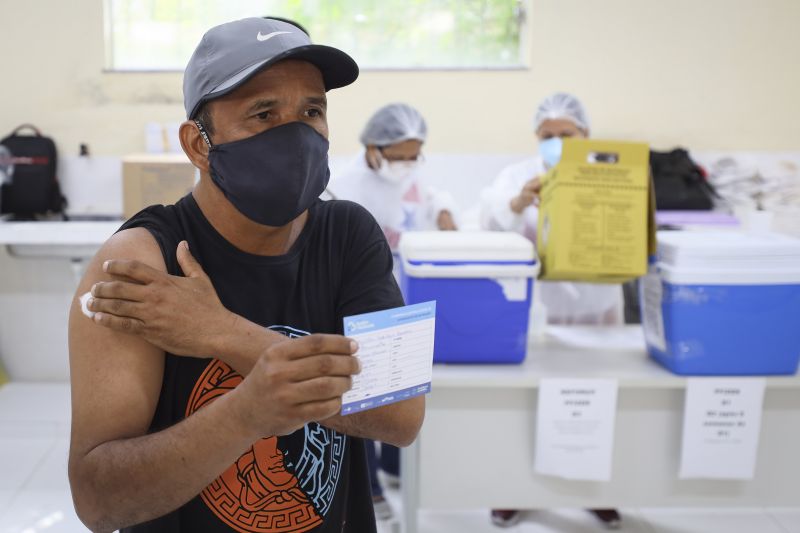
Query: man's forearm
x=126, y=482
x=396, y=424
x=241, y=347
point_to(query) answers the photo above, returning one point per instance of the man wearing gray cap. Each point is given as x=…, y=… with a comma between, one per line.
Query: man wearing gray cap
x=207, y=382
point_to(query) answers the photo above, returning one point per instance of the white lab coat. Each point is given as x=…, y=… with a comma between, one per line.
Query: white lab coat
x=566, y=302
x=398, y=207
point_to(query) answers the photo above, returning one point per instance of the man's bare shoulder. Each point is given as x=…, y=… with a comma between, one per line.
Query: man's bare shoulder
x=115, y=377
x=135, y=244
x=132, y=244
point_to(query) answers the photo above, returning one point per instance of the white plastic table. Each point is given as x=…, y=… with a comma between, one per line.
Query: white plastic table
x=475, y=449
x=78, y=239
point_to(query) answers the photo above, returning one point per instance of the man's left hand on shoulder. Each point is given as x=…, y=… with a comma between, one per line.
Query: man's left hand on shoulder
x=180, y=314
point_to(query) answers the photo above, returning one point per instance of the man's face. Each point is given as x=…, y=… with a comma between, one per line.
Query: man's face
x=289, y=91
x=559, y=127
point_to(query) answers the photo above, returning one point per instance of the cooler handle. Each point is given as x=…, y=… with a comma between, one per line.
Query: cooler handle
x=428, y=270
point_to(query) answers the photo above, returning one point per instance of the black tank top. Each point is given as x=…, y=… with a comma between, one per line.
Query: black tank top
x=315, y=479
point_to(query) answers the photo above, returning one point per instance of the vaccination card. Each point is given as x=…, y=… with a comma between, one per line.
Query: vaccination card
x=395, y=348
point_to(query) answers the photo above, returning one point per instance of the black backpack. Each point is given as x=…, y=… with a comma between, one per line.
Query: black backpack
x=31, y=186
x=679, y=183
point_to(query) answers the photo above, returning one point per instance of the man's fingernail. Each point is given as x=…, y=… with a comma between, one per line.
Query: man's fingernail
x=185, y=245
x=94, y=289
x=97, y=317
x=358, y=363
x=89, y=303
x=105, y=266
x=353, y=346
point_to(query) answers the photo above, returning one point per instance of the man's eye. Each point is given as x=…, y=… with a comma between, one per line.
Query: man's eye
x=264, y=115
x=314, y=112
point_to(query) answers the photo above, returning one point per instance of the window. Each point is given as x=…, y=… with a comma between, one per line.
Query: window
x=379, y=34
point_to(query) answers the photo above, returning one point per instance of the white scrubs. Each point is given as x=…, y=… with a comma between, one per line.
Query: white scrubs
x=398, y=207
x=566, y=302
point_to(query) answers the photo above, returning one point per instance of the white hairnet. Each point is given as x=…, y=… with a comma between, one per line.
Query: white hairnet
x=561, y=106
x=392, y=124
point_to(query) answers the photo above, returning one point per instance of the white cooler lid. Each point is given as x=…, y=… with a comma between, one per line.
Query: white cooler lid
x=728, y=250
x=717, y=276
x=466, y=246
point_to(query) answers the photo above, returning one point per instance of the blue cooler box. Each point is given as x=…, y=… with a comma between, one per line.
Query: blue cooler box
x=724, y=303
x=482, y=283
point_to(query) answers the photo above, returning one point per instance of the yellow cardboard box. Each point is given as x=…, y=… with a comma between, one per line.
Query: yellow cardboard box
x=151, y=179
x=596, y=213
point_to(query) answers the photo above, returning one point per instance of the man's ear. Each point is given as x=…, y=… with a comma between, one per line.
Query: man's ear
x=194, y=145
x=373, y=157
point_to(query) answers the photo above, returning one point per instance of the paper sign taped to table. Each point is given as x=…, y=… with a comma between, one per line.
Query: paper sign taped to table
x=597, y=212
x=721, y=426
x=575, y=428
x=395, y=348
x=652, y=289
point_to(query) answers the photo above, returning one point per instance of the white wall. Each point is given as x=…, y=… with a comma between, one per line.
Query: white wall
x=35, y=296
x=710, y=74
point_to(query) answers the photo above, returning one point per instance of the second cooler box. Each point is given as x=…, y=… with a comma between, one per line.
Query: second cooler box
x=482, y=283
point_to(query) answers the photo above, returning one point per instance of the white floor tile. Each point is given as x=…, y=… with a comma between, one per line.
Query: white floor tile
x=29, y=429
x=49, y=511
x=461, y=522
x=6, y=496
x=473, y=521
x=789, y=519
x=390, y=526
x=19, y=458
x=51, y=474
x=35, y=402
x=551, y=521
x=711, y=521
x=578, y=521
x=478, y=521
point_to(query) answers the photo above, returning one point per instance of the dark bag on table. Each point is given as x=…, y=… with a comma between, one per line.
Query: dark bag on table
x=31, y=187
x=679, y=183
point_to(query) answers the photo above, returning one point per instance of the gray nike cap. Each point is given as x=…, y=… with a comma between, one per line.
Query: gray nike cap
x=230, y=54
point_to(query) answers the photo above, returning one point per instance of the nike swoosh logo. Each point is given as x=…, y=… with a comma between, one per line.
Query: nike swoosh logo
x=269, y=36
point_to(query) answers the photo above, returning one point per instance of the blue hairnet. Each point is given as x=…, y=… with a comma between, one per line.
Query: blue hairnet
x=393, y=124
x=561, y=106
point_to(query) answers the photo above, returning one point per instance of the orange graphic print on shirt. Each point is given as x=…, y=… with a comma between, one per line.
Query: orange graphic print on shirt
x=257, y=494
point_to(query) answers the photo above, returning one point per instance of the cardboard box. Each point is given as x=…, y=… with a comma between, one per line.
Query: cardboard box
x=597, y=213
x=154, y=179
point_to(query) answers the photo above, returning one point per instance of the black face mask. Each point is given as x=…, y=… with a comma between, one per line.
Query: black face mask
x=271, y=177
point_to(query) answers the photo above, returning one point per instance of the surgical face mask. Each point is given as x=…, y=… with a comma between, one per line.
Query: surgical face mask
x=550, y=150
x=271, y=177
x=396, y=172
